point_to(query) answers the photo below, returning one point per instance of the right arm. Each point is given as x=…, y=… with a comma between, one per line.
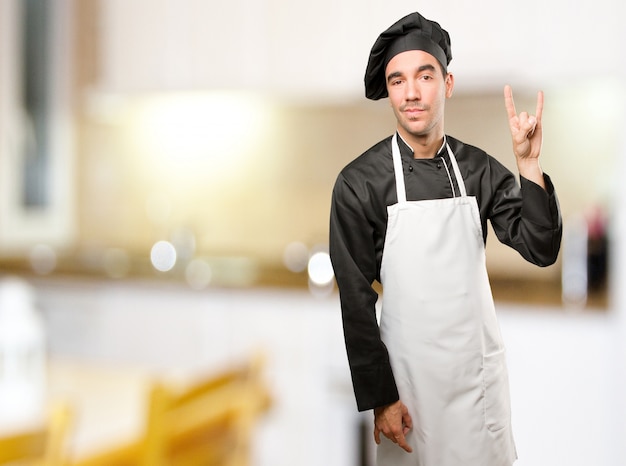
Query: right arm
x=354, y=257
x=355, y=261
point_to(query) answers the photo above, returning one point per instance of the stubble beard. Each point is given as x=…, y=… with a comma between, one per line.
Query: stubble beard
x=406, y=121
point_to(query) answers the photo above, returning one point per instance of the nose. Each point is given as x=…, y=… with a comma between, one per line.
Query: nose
x=412, y=90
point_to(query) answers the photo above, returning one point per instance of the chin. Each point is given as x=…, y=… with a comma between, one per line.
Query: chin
x=417, y=131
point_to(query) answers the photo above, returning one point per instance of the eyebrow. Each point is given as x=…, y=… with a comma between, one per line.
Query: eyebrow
x=421, y=69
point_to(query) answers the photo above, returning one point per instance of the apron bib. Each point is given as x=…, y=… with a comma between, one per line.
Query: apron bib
x=439, y=324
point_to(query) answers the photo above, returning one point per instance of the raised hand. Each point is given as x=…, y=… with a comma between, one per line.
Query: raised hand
x=527, y=136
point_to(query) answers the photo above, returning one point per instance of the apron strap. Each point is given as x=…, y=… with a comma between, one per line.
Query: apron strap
x=397, y=168
x=457, y=172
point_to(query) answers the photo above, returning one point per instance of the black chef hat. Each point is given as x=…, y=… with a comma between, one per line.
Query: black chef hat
x=413, y=32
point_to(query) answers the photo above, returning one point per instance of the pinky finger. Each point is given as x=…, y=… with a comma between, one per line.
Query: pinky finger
x=539, y=110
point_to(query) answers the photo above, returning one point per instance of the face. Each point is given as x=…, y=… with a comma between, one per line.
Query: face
x=417, y=92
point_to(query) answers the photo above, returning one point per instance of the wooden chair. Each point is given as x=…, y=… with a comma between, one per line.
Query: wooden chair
x=44, y=446
x=207, y=424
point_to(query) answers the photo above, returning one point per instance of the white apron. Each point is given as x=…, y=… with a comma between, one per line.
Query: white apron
x=439, y=324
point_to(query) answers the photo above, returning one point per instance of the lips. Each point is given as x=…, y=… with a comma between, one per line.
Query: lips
x=413, y=110
x=413, y=113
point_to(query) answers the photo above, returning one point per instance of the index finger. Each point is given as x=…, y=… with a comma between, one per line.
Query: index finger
x=509, y=103
x=401, y=439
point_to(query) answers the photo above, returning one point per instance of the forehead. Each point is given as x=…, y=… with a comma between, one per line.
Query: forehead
x=409, y=61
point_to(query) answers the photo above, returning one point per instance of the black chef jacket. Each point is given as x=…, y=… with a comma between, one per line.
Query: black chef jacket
x=527, y=218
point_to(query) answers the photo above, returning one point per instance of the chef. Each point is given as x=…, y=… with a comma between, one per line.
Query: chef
x=411, y=213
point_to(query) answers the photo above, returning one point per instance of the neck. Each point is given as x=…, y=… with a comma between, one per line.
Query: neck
x=424, y=146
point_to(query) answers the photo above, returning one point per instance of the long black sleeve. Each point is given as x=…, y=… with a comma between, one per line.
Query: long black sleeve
x=353, y=251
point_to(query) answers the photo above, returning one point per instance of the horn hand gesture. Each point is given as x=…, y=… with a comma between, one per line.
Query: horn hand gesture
x=527, y=137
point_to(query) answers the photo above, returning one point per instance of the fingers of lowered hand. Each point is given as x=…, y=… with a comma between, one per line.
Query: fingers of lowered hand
x=401, y=441
x=397, y=435
x=407, y=421
x=377, y=435
x=394, y=422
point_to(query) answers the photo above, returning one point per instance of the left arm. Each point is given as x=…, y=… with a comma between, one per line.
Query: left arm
x=524, y=216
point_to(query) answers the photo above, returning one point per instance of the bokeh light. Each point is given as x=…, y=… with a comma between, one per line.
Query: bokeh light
x=198, y=274
x=296, y=256
x=189, y=134
x=184, y=240
x=320, y=269
x=163, y=256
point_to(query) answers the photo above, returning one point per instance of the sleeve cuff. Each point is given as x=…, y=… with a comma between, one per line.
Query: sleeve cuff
x=374, y=387
x=539, y=204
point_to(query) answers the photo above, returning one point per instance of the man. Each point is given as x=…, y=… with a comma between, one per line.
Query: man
x=411, y=212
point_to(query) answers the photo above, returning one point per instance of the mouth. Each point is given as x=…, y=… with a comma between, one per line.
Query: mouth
x=413, y=112
x=413, y=109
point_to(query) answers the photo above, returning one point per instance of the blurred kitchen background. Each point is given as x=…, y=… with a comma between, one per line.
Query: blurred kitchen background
x=165, y=178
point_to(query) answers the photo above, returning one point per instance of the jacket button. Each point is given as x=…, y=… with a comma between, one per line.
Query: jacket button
x=410, y=168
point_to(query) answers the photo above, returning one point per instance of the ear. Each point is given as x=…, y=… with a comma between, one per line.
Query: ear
x=449, y=85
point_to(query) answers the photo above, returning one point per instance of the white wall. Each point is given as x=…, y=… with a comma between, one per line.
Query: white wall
x=303, y=48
